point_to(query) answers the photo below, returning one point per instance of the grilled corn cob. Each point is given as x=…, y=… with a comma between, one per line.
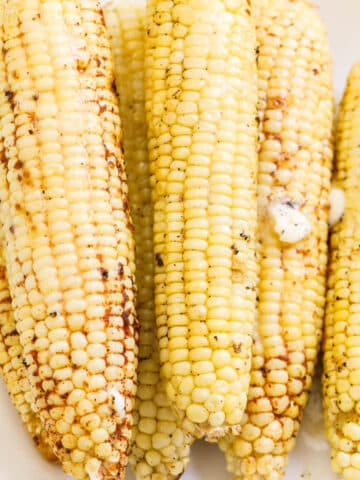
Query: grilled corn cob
x=296, y=114
x=200, y=103
x=13, y=371
x=160, y=448
x=341, y=343
x=68, y=245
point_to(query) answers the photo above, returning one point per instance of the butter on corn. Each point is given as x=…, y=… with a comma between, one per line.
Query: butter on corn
x=337, y=205
x=296, y=116
x=289, y=223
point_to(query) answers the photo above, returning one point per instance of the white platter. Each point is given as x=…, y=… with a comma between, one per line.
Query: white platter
x=310, y=460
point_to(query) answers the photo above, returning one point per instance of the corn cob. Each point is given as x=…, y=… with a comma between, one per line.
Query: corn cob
x=160, y=448
x=200, y=103
x=13, y=371
x=68, y=245
x=341, y=342
x=296, y=114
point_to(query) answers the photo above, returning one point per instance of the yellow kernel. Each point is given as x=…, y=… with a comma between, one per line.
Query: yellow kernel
x=263, y=445
x=78, y=340
x=69, y=441
x=143, y=470
x=160, y=440
x=205, y=379
x=217, y=419
x=186, y=386
x=84, y=406
x=242, y=448
x=77, y=456
x=227, y=373
x=79, y=357
x=197, y=413
x=84, y=443
x=199, y=395
x=75, y=396
x=143, y=441
x=99, y=435
x=147, y=425
x=62, y=427
x=90, y=421
x=352, y=431
x=221, y=358
x=147, y=409
x=153, y=457
x=103, y=450
x=96, y=365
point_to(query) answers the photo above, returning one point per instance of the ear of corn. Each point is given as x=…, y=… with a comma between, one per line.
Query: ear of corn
x=12, y=368
x=160, y=448
x=68, y=244
x=296, y=111
x=200, y=103
x=341, y=351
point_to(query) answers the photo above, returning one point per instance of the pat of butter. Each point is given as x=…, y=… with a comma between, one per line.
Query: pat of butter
x=119, y=402
x=337, y=205
x=92, y=468
x=290, y=224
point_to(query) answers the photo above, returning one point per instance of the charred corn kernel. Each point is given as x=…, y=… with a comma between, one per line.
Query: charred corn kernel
x=296, y=115
x=155, y=454
x=12, y=368
x=68, y=244
x=200, y=103
x=341, y=342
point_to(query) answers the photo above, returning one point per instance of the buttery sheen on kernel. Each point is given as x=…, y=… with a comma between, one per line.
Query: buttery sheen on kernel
x=201, y=97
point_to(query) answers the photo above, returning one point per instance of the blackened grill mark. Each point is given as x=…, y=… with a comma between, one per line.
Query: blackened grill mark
x=121, y=270
x=18, y=165
x=244, y=236
x=104, y=273
x=290, y=204
x=10, y=95
x=127, y=323
x=234, y=249
x=159, y=260
x=237, y=347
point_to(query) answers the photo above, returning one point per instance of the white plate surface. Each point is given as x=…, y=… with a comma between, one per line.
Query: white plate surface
x=310, y=460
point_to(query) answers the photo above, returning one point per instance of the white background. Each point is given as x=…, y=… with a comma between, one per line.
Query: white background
x=310, y=460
